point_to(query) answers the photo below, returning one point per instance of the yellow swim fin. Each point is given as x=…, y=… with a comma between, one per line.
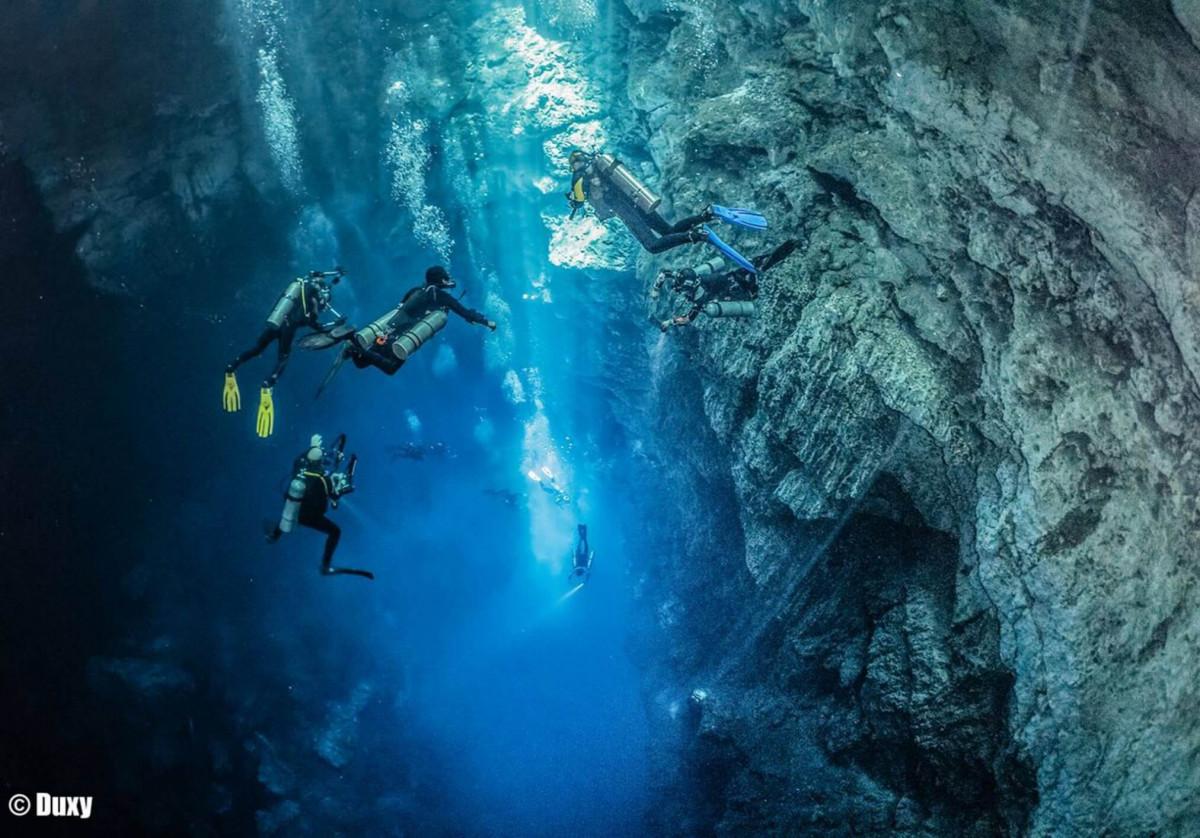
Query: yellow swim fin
x=231, y=398
x=266, y=413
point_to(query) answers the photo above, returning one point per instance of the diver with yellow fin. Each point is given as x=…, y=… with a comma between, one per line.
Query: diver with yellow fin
x=389, y=341
x=613, y=190
x=301, y=304
x=318, y=482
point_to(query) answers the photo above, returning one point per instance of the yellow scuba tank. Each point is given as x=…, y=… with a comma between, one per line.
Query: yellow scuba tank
x=291, y=504
x=624, y=181
x=730, y=308
x=286, y=303
x=420, y=332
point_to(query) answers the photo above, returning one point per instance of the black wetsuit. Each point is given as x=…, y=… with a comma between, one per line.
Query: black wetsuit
x=652, y=231
x=303, y=313
x=417, y=303
x=737, y=284
x=582, y=551
x=318, y=490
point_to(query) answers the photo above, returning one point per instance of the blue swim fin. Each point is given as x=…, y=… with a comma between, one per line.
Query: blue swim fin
x=740, y=216
x=729, y=253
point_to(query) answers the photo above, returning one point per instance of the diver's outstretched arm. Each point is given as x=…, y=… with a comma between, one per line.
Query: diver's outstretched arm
x=469, y=314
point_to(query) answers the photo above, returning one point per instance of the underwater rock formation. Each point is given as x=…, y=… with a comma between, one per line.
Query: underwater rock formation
x=925, y=527
x=956, y=441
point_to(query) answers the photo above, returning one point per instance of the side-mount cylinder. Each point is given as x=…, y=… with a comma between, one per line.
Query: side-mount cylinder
x=730, y=308
x=420, y=332
x=365, y=337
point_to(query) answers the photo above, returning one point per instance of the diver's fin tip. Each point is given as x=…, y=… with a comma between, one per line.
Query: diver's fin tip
x=741, y=216
x=731, y=254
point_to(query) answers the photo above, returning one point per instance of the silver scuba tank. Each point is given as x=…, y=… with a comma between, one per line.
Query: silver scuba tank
x=420, y=332
x=624, y=181
x=365, y=337
x=712, y=266
x=284, y=307
x=730, y=308
x=291, y=506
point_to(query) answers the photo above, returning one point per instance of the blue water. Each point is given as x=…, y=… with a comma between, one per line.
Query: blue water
x=523, y=698
x=461, y=693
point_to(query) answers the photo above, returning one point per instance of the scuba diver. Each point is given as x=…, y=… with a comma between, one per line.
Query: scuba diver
x=550, y=486
x=389, y=341
x=581, y=570
x=417, y=451
x=613, y=190
x=316, y=485
x=301, y=303
x=718, y=292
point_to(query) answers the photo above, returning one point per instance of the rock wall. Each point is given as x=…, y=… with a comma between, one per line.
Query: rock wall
x=957, y=440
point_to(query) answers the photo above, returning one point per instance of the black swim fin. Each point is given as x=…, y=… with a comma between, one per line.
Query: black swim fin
x=348, y=571
x=333, y=371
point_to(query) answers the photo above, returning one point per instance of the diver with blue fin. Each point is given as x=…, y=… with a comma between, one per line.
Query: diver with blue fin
x=318, y=482
x=613, y=190
x=300, y=305
x=715, y=291
x=389, y=341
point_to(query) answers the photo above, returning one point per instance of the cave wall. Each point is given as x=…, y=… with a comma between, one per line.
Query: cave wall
x=958, y=436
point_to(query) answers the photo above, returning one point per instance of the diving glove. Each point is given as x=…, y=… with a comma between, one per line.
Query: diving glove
x=231, y=397
x=266, y=413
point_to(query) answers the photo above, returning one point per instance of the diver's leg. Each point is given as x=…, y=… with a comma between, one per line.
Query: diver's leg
x=673, y=240
x=264, y=340
x=371, y=357
x=333, y=534
x=383, y=359
x=286, y=334
x=645, y=228
x=663, y=227
x=686, y=223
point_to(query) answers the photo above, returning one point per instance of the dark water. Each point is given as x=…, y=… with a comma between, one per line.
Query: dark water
x=198, y=678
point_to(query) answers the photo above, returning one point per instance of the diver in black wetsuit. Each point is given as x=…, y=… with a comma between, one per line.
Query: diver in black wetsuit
x=300, y=305
x=389, y=341
x=315, y=486
x=417, y=451
x=711, y=282
x=612, y=190
x=583, y=557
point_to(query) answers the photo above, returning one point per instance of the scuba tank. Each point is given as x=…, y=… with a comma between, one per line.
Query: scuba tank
x=291, y=504
x=286, y=303
x=366, y=336
x=712, y=266
x=624, y=181
x=420, y=332
x=730, y=308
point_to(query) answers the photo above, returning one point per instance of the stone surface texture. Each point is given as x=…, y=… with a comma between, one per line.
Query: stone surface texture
x=959, y=437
